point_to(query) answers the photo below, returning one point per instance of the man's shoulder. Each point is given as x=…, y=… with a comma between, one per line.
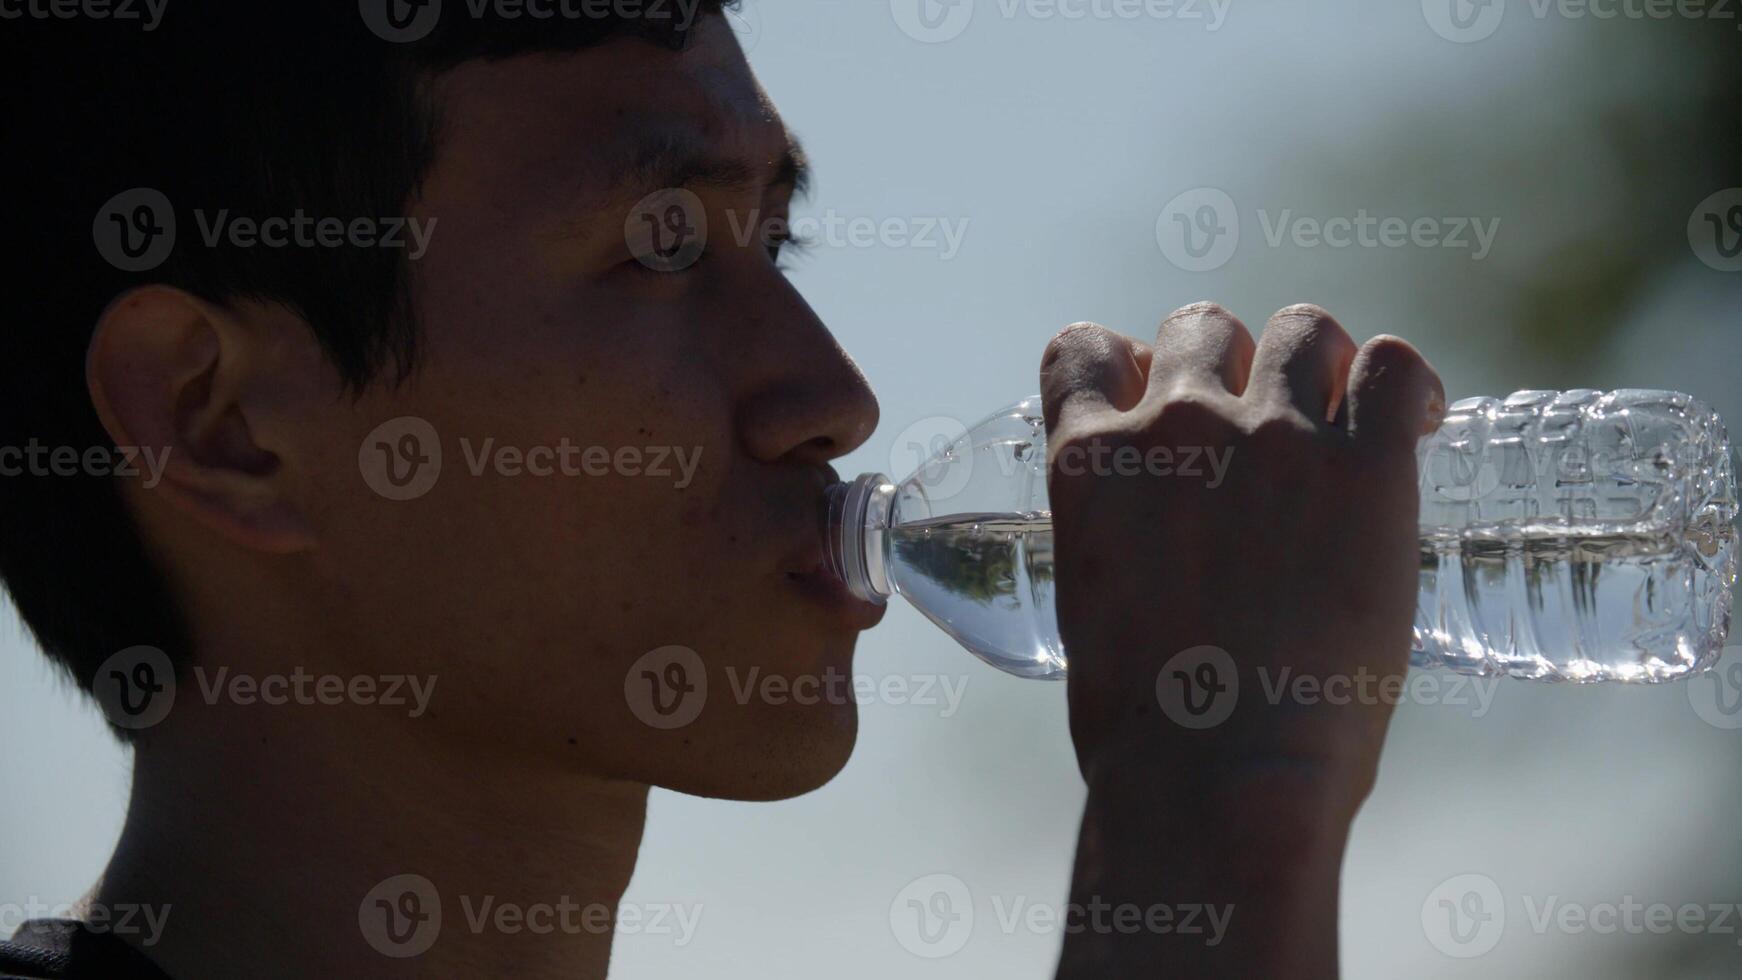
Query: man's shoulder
x=60, y=949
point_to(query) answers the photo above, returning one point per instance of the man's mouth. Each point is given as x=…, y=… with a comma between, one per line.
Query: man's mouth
x=819, y=584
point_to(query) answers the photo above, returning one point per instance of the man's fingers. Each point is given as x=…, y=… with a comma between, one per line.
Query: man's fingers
x=1089, y=369
x=1395, y=397
x=1201, y=346
x=1303, y=360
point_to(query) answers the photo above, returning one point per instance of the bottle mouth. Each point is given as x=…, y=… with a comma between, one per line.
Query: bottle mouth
x=855, y=524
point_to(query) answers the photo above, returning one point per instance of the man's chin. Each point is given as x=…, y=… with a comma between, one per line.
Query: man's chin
x=780, y=761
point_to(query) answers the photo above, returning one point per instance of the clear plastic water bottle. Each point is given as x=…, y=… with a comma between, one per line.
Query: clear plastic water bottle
x=1579, y=535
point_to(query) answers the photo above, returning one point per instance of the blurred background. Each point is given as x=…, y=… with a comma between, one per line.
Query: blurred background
x=1030, y=163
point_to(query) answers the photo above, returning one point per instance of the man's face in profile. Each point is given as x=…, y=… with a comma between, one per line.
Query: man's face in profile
x=682, y=404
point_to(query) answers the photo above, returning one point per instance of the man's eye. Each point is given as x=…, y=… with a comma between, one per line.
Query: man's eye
x=784, y=246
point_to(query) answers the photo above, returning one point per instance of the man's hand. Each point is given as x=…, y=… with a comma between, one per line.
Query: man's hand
x=1180, y=585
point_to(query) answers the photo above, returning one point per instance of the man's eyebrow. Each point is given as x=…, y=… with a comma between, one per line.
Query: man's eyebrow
x=674, y=159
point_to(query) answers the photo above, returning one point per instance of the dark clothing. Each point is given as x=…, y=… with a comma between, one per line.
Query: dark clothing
x=57, y=949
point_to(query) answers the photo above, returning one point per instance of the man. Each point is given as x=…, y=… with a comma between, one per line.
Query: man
x=547, y=296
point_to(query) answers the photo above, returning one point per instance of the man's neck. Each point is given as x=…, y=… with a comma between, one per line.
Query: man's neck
x=318, y=842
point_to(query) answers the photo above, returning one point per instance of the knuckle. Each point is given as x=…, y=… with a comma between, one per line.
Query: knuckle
x=1189, y=413
x=1199, y=310
x=1394, y=354
x=1309, y=311
x=1077, y=340
x=1307, y=324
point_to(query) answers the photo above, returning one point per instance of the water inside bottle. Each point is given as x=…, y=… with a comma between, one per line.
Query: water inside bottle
x=1555, y=604
x=1543, y=603
x=987, y=580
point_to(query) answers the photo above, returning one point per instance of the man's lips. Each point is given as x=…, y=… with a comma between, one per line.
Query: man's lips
x=820, y=585
x=808, y=570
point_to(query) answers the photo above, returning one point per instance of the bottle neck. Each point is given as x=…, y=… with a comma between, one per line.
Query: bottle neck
x=855, y=525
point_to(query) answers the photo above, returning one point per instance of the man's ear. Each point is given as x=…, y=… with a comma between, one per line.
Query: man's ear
x=169, y=375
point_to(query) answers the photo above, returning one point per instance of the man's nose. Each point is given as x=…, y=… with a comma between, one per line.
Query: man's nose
x=813, y=404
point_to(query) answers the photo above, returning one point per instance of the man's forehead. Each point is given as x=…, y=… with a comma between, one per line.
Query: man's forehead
x=621, y=111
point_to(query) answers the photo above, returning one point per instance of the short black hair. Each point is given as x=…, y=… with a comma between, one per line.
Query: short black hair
x=261, y=107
